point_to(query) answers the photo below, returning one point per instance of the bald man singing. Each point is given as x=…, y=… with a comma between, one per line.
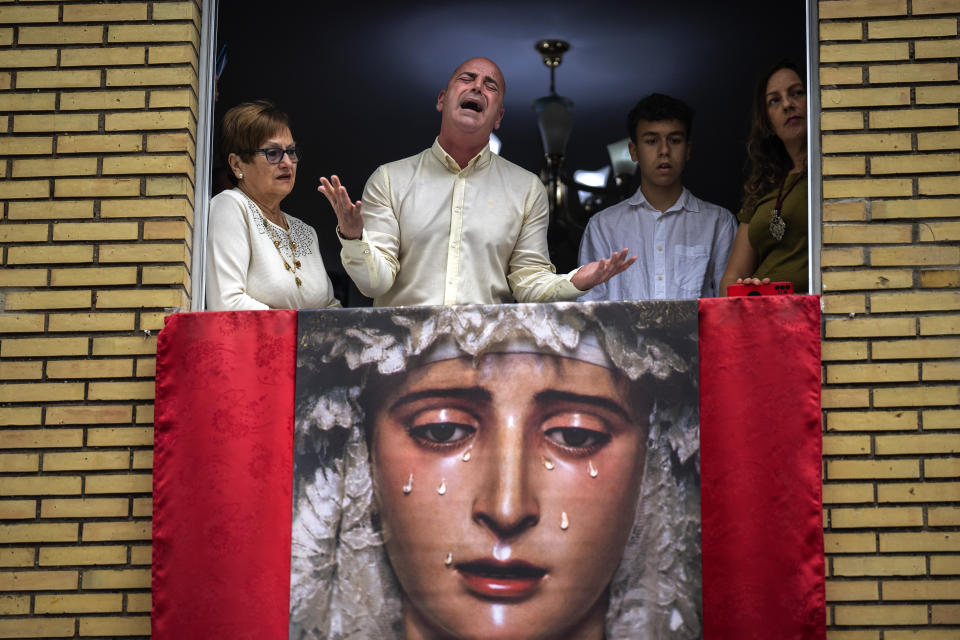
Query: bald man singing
x=456, y=223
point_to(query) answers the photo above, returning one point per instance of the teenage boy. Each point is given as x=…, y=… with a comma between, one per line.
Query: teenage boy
x=682, y=242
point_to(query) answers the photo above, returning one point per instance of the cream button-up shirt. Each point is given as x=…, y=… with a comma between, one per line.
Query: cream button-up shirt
x=438, y=234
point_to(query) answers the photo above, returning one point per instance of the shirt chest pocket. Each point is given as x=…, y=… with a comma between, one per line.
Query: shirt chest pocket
x=690, y=267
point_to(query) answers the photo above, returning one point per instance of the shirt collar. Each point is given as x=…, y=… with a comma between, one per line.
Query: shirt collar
x=685, y=201
x=478, y=161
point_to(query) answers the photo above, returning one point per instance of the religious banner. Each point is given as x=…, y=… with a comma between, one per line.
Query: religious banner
x=511, y=471
x=504, y=471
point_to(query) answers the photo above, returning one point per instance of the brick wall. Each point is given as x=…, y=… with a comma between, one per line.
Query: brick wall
x=891, y=166
x=98, y=108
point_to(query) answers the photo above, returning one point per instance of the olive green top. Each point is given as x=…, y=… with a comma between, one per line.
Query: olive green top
x=786, y=259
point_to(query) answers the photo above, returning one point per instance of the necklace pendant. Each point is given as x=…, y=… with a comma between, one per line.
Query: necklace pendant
x=778, y=225
x=276, y=243
x=293, y=245
x=299, y=281
x=296, y=263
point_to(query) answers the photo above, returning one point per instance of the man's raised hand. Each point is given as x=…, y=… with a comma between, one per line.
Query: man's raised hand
x=594, y=273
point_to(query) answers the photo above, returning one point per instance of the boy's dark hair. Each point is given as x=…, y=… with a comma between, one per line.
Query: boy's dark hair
x=657, y=107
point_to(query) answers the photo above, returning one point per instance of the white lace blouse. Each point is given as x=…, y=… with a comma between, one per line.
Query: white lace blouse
x=245, y=270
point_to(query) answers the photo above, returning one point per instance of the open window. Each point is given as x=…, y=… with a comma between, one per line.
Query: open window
x=360, y=82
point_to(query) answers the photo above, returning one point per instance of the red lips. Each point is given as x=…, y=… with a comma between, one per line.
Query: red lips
x=506, y=580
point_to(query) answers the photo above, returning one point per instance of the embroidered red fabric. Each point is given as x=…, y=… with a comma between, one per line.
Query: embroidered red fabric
x=760, y=444
x=223, y=472
x=222, y=479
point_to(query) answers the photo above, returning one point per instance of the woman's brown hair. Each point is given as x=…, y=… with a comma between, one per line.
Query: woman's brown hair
x=246, y=126
x=769, y=160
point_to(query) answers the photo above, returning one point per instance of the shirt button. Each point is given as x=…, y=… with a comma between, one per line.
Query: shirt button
x=659, y=277
x=660, y=248
x=366, y=251
x=453, y=245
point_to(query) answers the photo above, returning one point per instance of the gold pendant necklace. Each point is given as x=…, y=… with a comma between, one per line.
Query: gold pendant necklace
x=293, y=250
x=276, y=242
x=778, y=226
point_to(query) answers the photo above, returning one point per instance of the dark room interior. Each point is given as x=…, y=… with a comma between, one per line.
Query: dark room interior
x=360, y=81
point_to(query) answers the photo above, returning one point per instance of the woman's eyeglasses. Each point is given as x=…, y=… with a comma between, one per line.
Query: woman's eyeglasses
x=275, y=154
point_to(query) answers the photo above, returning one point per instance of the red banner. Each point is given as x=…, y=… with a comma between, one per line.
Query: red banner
x=760, y=453
x=223, y=468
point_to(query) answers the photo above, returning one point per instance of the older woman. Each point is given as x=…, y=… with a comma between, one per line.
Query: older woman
x=510, y=471
x=258, y=257
x=771, y=241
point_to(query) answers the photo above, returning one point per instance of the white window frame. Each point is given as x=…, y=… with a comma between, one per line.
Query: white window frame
x=204, y=156
x=814, y=161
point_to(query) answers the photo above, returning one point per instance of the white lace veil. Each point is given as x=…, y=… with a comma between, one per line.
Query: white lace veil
x=342, y=586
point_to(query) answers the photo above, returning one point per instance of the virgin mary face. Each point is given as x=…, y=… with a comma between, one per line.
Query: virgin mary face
x=507, y=489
